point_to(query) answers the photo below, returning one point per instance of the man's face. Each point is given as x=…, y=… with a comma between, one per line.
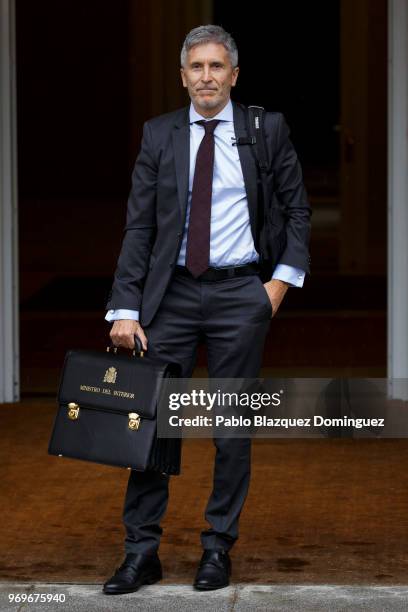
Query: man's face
x=209, y=76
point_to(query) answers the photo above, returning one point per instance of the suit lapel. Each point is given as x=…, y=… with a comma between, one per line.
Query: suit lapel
x=181, y=147
x=248, y=166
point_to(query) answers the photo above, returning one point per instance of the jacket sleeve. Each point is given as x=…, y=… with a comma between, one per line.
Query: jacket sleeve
x=139, y=232
x=291, y=194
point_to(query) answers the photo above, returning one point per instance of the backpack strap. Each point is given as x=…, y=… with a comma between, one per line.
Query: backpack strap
x=255, y=126
x=254, y=123
x=257, y=134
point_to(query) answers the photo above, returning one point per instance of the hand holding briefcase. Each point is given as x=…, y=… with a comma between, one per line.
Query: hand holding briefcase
x=108, y=411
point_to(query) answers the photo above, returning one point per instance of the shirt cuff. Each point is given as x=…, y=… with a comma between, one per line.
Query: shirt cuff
x=293, y=276
x=114, y=315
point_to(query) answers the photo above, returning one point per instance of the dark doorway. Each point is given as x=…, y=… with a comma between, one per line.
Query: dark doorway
x=90, y=73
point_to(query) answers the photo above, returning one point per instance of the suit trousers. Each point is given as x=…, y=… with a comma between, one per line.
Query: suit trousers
x=232, y=317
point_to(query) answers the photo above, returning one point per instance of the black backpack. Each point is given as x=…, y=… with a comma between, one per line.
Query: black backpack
x=271, y=246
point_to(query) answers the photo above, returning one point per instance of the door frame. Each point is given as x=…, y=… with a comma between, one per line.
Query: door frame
x=397, y=319
x=397, y=231
x=9, y=290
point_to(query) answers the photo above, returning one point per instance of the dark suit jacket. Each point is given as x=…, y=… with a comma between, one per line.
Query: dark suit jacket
x=158, y=199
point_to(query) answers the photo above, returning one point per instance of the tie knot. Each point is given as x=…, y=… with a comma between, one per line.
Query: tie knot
x=209, y=126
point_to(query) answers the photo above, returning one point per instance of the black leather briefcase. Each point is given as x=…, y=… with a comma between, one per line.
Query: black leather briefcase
x=108, y=411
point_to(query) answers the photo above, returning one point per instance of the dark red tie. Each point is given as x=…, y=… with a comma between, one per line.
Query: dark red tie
x=198, y=236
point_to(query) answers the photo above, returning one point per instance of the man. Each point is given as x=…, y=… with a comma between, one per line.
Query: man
x=188, y=270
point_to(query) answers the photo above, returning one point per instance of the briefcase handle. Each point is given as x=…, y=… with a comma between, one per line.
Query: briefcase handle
x=138, y=347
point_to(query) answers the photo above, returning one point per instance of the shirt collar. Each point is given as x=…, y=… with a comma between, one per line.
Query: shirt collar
x=226, y=114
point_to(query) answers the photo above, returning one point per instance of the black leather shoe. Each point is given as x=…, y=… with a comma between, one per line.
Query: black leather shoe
x=137, y=569
x=213, y=571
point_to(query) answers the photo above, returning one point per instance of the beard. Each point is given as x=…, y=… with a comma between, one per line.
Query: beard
x=210, y=102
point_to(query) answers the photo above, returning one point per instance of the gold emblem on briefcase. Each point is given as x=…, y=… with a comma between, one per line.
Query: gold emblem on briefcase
x=110, y=375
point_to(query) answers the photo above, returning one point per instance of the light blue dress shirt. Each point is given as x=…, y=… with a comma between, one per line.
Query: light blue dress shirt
x=231, y=242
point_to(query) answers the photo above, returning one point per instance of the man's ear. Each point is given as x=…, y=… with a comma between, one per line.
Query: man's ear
x=183, y=79
x=235, y=73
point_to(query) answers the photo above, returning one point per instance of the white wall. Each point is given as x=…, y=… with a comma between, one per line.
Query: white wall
x=9, y=295
x=397, y=195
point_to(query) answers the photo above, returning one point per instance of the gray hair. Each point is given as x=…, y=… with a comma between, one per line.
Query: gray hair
x=209, y=34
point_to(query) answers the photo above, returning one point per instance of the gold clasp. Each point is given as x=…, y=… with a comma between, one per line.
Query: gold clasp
x=73, y=411
x=134, y=420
